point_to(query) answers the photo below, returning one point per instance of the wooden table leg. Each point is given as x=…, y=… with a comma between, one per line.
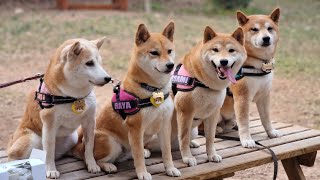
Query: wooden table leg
x=293, y=169
x=307, y=159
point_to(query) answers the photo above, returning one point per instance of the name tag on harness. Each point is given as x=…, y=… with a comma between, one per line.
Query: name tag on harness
x=183, y=80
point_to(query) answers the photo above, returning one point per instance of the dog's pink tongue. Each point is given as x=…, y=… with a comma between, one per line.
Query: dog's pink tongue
x=228, y=72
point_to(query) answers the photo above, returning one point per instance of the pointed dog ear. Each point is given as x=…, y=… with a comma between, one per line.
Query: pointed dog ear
x=242, y=18
x=75, y=48
x=142, y=35
x=208, y=34
x=169, y=31
x=99, y=42
x=238, y=35
x=275, y=15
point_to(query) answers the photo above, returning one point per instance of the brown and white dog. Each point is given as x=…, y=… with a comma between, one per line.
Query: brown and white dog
x=73, y=72
x=261, y=38
x=213, y=62
x=151, y=63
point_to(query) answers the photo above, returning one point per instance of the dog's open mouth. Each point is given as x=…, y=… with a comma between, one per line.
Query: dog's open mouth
x=225, y=72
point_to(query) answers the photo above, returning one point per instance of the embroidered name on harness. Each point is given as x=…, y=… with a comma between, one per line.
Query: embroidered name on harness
x=179, y=79
x=122, y=105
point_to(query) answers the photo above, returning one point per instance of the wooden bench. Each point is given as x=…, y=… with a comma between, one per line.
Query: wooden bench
x=297, y=147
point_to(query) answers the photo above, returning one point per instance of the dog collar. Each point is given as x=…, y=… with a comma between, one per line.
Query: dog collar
x=126, y=103
x=182, y=81
x=47, y=100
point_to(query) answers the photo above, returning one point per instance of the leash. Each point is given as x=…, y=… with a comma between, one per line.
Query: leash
x=37, y=76
x=273, y=155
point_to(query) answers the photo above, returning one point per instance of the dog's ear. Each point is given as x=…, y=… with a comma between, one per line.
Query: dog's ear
x=242, y=18
x=99, y=42
x=75, y=48
x=169, y=31
x=208, y=34
x=275, y=15
x=238, y=35
x=142, y=35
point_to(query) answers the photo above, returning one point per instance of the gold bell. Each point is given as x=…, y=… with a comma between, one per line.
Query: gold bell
x=78, y=106
x=157, y=98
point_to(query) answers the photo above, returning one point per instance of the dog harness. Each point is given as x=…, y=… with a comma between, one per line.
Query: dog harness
x=126, y=103
x=182, y=81
x=47, y=100
x=266, y=68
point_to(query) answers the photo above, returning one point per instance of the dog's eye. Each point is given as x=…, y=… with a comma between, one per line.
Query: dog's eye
x=254, y=29
x=231, y=50
x=154, y=53
x=90, y=63
x=215, y=50
x=270, y=28
x=169, y=51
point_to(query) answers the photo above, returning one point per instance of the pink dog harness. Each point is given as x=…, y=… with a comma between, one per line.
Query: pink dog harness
x=126, y=103
x=182, y=81
x=47, y=100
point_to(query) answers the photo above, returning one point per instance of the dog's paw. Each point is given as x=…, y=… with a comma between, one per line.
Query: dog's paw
x=174, y=172
x=53, y=174
x=219, y=130
x=146, y=153
x=194, y=144
x=144, y=176
x=274, y=133
x=191, y=161
x=248, y=143
x=215, y=158
x=108, y=167
x=93, y=168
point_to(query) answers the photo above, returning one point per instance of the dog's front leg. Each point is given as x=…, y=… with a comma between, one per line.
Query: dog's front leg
x=49, y=131
x=210, y=126
x=135, y=135
x=263, y=105
x=165, y=143
x=88, y=131
x=184, y=121
x=241, y=107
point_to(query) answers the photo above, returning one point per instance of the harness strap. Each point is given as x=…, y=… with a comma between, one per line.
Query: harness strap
x=48, y=100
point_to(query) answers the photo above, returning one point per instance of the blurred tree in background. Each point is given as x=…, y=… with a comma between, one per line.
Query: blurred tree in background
x=230, y=4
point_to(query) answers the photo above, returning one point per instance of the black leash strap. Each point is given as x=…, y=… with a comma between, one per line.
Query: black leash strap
x=273, y=155
x=21, y=80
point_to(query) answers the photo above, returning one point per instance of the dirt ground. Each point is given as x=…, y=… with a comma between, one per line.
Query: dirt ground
x=27, y=40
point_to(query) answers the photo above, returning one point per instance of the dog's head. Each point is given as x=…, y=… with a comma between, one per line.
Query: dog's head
x=261, y=32
x=154, y=53
x=82, y=63
x=223, y=54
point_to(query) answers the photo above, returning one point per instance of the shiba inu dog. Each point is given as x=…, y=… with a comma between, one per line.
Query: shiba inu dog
x=210, y=65
x=64, y=101
x=140, y=107
x=261, y=38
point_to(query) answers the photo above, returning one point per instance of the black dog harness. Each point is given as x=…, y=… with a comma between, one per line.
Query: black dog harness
x=126, y=103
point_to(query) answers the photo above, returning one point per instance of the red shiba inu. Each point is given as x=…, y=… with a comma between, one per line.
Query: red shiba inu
x=261, y=38
x=209, y=68
x=64, y=101
x=140, y=107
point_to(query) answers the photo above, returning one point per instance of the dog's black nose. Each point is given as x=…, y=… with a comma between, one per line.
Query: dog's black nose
x=266, y=39
x=170, y=65
x=107, y=79
x=224, y=62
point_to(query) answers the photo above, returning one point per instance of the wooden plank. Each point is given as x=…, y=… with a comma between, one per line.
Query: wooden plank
x=248, y=160
x=66, y=160
x=307, y=159
x=293, y=169
x=3, y=154
x=225, y=152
